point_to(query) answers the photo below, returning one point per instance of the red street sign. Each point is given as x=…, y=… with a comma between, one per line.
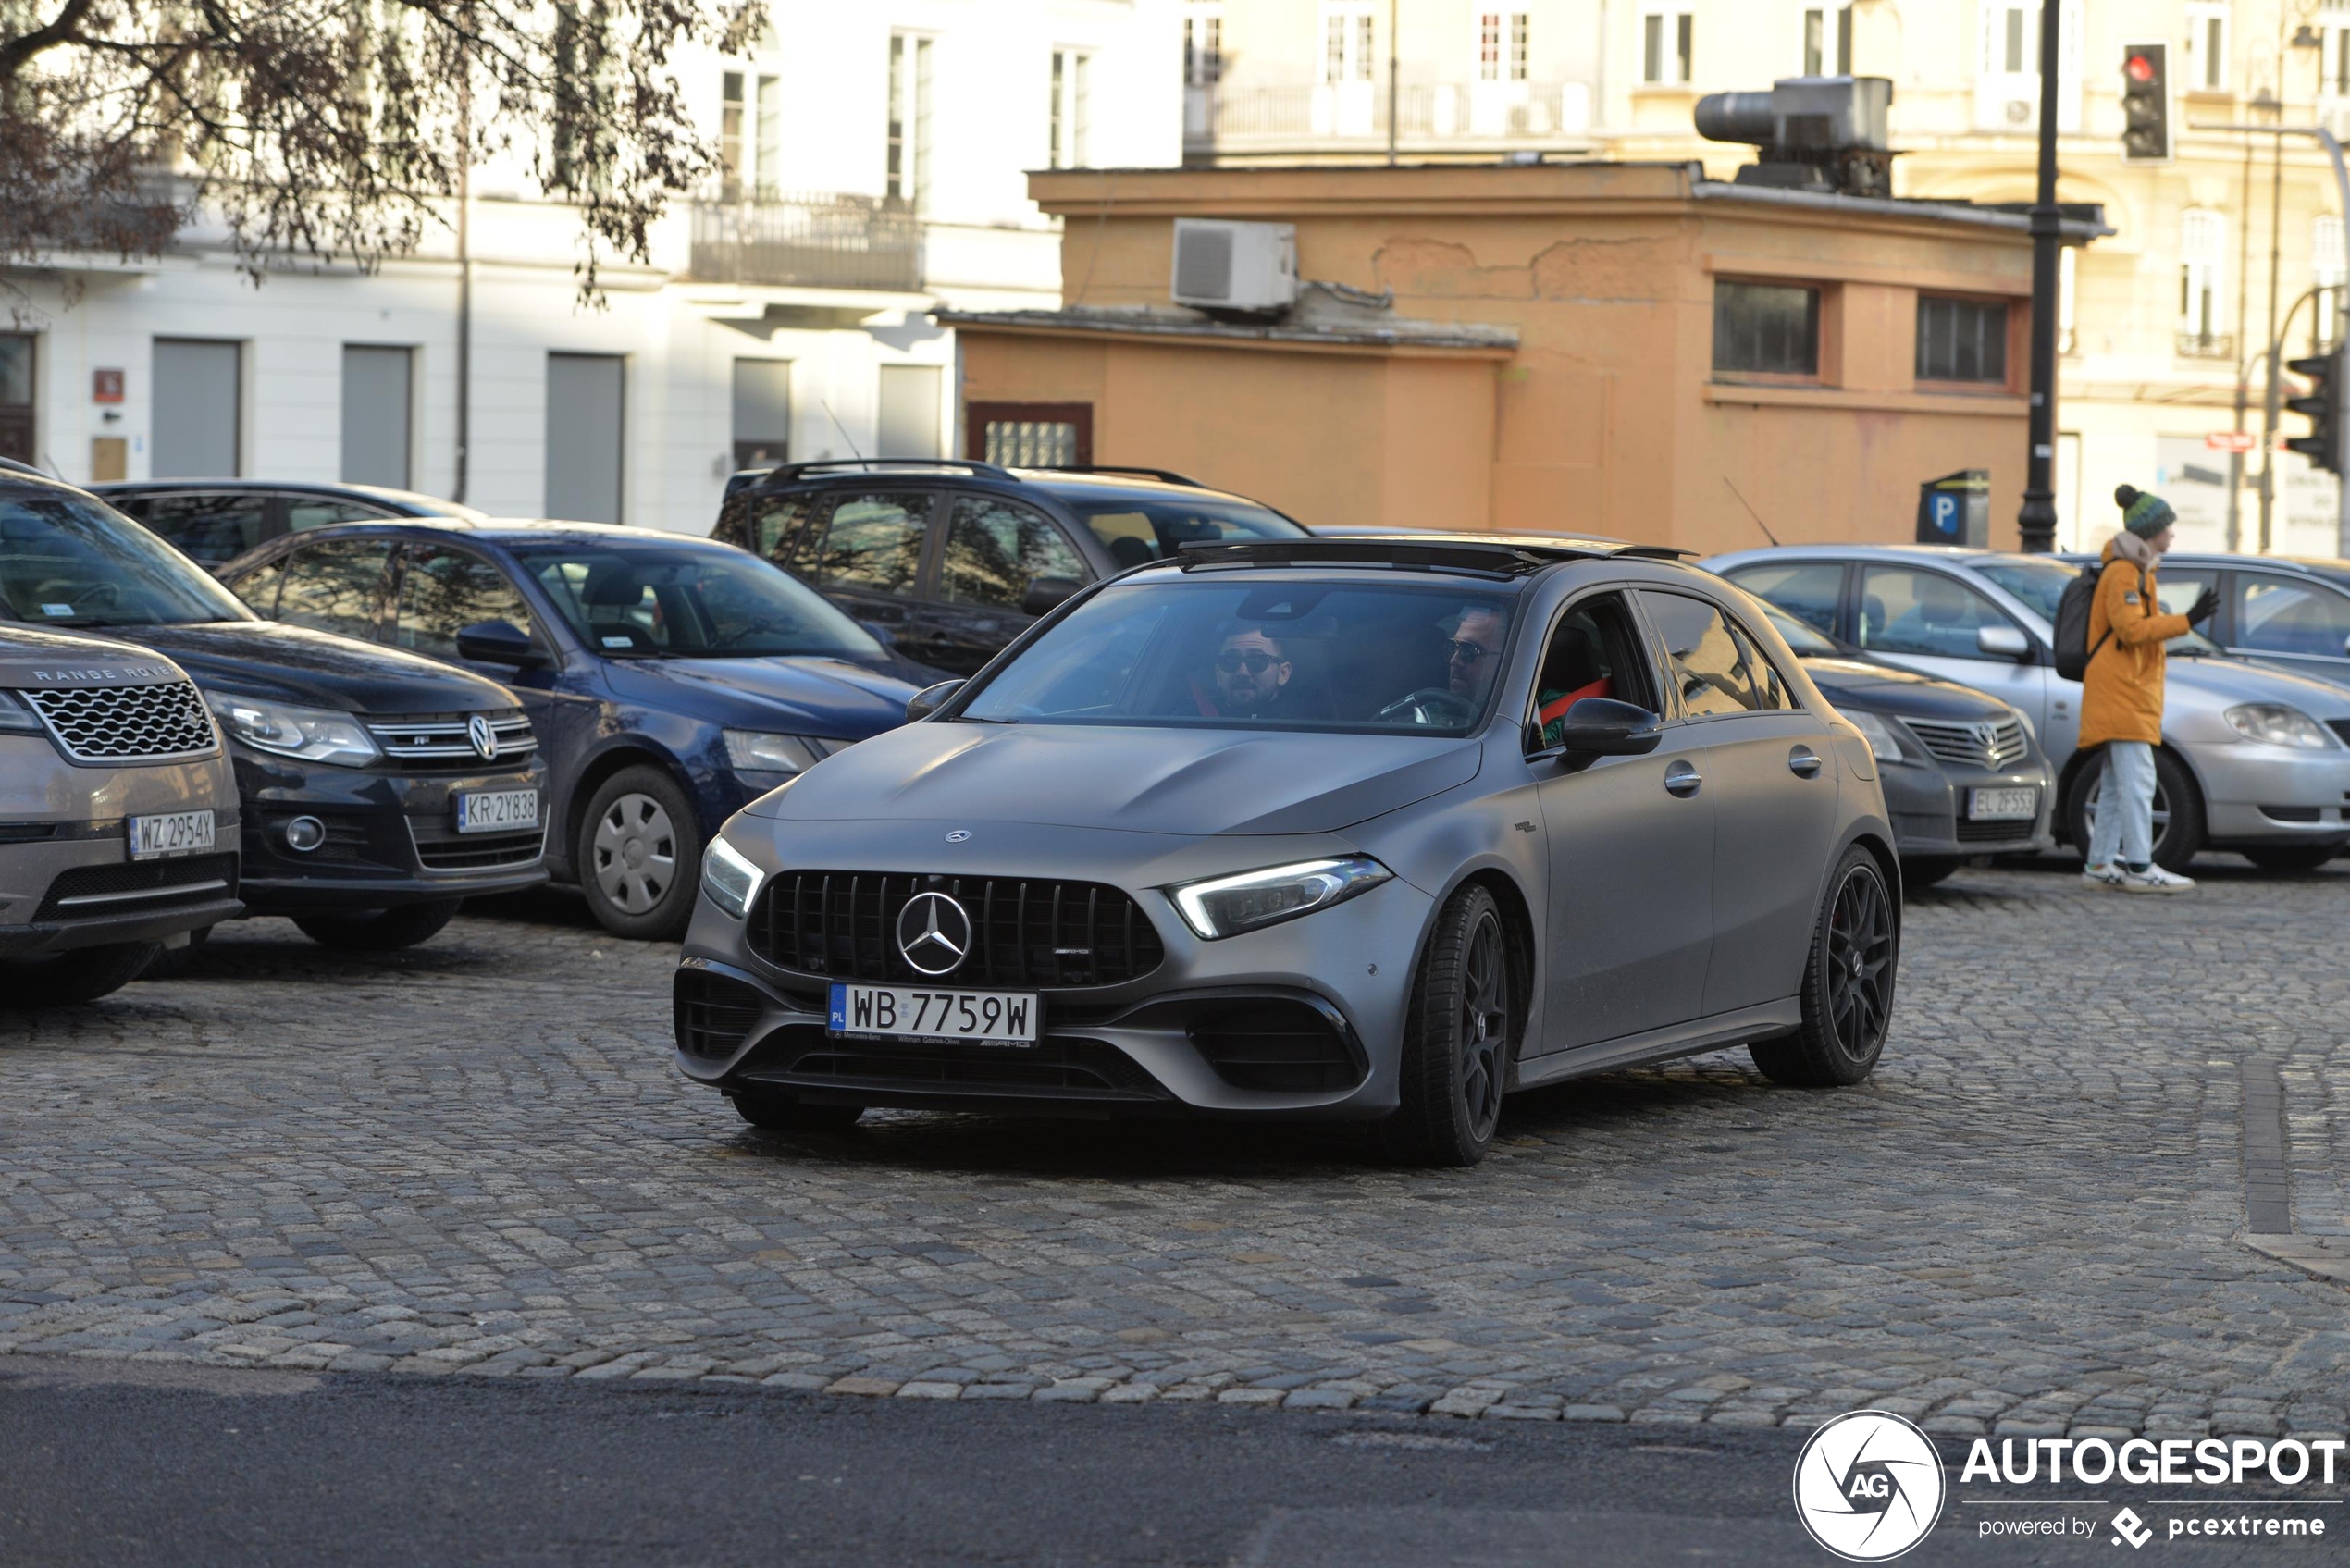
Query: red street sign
x=2232, y=440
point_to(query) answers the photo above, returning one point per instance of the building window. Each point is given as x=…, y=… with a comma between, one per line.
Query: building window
x=730, y=136
x=378, y=393
x=1767, y=329
x=1815, y=40
x=1347, y=43
x=1667, y=41
x=196, y=429
x=2329, y=269
x=1065, y=139
x=2208, y=46
x=1503, y=46
x=907, y=176
x=767, y=167
x=1030, y=435
x=2333, y=61
x=763, y=412
x=2202, y=252
x=1961, y=340
x=586, y=431
x=1202, y=46
x=16, y=396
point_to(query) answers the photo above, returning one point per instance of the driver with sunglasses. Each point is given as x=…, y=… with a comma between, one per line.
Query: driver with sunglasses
x=1252, y=671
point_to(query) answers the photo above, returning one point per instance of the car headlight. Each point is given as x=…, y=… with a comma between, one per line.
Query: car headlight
x=17, y=716
x=756, y=752
x=1881, y=744
x=315, y=735
x=1225, y=907
x=729, y=878
x=2276, y=724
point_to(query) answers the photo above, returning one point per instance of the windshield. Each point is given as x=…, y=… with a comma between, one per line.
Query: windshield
x=2040, y=584
x=689, y=601
x=1279, y=656
x=1145, y=527
x=68, y=561
x=1800, y=637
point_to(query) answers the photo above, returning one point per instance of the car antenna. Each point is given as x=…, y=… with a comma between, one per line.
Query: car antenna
x=1751, y=513
x=852, y=440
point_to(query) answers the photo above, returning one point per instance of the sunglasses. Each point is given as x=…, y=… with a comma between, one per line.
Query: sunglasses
x=1255, y=663
x=1468, y=652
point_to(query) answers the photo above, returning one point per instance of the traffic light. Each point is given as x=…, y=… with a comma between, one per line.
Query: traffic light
x=2322, y=446
x=2145, y=103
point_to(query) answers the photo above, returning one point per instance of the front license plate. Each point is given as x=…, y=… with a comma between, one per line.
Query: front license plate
x=2002, y=805
x=965, y=1018
x=497, y=810
x=171, y=833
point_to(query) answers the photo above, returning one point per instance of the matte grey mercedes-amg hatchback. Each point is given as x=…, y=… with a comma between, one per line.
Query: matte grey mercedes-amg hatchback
x=1369, y=828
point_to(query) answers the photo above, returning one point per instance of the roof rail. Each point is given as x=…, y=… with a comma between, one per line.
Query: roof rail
x=785, y=473
x=1454, y=552
x=1163, y=475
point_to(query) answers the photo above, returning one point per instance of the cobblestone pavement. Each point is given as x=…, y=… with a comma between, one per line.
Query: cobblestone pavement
x=475, y=1157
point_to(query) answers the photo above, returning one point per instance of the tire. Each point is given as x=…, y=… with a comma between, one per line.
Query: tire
x=1848, y=984
x=640, y=855
x=2292, y=857
x=70, y=979
x=1460, y=1038
x=1925, y=870
x=380, y=931
x=777, y=1110
x=2179, y=830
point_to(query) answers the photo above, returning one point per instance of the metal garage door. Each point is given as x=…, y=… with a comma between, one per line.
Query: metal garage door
x=198, y=385
x=375, y=414
x=585, y=417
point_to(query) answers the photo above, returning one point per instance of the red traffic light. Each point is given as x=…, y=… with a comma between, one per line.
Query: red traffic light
x=2138, y=69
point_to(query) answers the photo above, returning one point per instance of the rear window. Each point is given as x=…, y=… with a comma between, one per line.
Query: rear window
x=1145, y=527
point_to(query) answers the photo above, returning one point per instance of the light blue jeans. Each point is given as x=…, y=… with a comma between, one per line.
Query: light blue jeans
x=2124, y=826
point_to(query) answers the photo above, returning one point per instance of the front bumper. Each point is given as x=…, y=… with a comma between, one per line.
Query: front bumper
x=1928, y=803
x=2257, y=795
x=391, y=836
x=93, y=895
x=1303, y=1020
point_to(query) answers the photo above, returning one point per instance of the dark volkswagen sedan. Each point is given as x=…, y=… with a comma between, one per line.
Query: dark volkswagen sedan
x=671, y=679
x=378, y=790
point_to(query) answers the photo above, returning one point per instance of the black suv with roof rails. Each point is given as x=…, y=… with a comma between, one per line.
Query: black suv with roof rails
x=950, y=560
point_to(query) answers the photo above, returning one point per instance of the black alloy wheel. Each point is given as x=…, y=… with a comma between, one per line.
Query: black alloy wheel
x=1460, y=1038
x=1847, y=985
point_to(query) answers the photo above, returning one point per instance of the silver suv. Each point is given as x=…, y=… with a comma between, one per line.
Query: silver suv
x=2253, y=759
x=117, y=815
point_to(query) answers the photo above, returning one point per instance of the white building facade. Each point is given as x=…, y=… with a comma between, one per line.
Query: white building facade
x=875, y=156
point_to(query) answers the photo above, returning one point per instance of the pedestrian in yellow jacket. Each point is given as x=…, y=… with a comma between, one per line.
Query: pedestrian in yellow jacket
x=2121, y=695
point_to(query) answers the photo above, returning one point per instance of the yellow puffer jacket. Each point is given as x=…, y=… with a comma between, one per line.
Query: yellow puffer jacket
x=2122, y=697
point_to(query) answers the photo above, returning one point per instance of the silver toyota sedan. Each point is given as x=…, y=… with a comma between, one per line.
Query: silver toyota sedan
x=1344, y=828
x=2253, y=759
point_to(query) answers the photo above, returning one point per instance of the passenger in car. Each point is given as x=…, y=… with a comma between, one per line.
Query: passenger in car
x=1571, y=673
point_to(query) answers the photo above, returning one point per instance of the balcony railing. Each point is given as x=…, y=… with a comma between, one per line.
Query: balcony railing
x=2206, y=345
x=818, y=239
x=1241, y=117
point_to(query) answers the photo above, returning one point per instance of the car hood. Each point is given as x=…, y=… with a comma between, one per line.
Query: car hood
x=2222, y=681
x=828, y=698
x=31, y=659
x=281, y=664
x=1880, y=688
x=1172, y=781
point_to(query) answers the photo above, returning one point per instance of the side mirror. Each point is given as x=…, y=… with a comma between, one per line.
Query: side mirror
x=499, y=642
x=1601, y=726
x=1046, y=594
x=2002, y=642
x=930, y=699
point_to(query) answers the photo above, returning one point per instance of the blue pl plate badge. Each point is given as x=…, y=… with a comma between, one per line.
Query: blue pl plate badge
x=840, y=1007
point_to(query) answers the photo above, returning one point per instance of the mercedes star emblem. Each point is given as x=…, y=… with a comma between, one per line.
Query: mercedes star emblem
x=960, y=835
x=485, y=739
x=933, y=932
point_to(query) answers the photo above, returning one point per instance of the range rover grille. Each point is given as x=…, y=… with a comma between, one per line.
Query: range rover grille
x=842, y=925
x=150, y=723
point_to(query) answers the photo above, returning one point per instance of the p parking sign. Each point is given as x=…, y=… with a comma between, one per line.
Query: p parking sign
x=1956, y=508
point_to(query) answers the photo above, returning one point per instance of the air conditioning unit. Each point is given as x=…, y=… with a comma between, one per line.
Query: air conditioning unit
x=1240, y=267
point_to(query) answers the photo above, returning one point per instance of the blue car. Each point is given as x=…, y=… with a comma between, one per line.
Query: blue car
x=669, y=680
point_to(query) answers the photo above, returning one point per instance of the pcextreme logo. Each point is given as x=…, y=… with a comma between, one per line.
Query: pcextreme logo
x=1868, y=1485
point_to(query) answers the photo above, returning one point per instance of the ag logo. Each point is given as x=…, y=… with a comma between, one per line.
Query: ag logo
x=1868, y=1485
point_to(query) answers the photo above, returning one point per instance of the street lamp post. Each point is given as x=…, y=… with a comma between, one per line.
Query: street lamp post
x=2038, y=518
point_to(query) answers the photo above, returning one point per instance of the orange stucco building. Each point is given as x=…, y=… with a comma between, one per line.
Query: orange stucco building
x=1618, y=349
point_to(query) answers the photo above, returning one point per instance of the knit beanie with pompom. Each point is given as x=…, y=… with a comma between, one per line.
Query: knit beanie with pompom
x=2142, y=513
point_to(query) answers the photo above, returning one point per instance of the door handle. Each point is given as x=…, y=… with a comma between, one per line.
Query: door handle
x=1803, y=762
x=1682, y=780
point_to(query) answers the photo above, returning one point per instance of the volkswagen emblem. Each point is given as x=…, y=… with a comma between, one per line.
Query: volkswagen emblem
x=485, y=739
x=960, y=835
x=933, y=932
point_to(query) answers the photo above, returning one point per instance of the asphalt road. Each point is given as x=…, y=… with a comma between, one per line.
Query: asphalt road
x=113, y=1463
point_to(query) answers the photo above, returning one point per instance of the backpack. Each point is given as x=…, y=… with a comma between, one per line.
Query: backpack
x=2073, y=649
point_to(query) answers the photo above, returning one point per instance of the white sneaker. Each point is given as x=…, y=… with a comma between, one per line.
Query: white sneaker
x=2111, y=878
x=2154, y=879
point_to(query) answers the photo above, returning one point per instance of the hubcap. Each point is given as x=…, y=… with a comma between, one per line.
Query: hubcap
x=1860, y=964
x=2162, y=810
x=634, y=853
x=1485, y=1025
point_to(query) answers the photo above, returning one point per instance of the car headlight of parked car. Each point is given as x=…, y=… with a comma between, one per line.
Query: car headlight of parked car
x=1223, y=906
x=17, y=716
x=315, y=735
x=729, y=878
x=1882, y=744
x=2276, y=724
x=755, y=751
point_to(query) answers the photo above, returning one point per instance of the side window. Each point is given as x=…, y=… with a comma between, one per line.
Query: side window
x=874, y=542
x=259, y=587
x=779, y=528
x=443, y=591
x=1770, y=689
x=336, y=586
x=1926, y=613
x=209, y=528
x=1594, y=651
x=1711, y=667
x=317, y=512
x=2279, y=615
x=1812, y=591
x=995, y=550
